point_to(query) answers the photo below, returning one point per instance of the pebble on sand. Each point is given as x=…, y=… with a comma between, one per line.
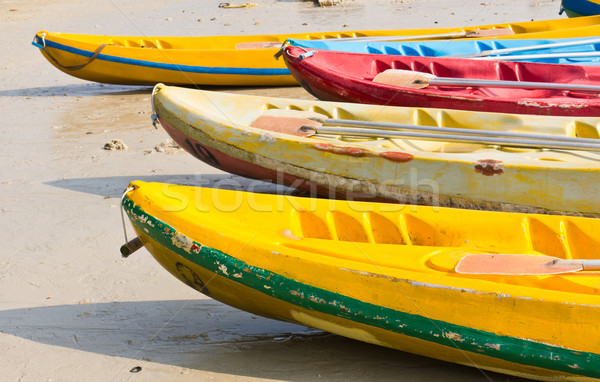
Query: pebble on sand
x=115, y=144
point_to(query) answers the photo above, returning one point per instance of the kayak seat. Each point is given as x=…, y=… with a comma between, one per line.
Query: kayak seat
x=372, y=228
x=426, y=51
x=480, y=46
x=308, y=225
x=437, y=69
x=504, y=72
x=372, y=50
x=582, y=130
x=341, y=113
x=563, y=239
x=543, y=239
x=408, y=51
x=382, y=230
x=346, y=227
x=130, y=43
x=398, y=65
x=417, y=231
x=378, y=66
x=581, y=244
x=162, y=44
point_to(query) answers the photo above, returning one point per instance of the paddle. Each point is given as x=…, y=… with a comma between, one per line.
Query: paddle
x=457, y=130
x=514, y=264
x=419, y=80
x=482, y=33
x=304, y=127
x=492, y=52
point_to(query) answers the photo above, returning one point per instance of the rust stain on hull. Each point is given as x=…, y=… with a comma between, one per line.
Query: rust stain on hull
x=489, y=167
x=351, y=151
x=394, y=156
x=397, y=156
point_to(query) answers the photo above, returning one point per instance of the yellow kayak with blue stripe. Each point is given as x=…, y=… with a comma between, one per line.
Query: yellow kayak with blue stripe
x=387, y=274
x=240, y=60
x=578, y=8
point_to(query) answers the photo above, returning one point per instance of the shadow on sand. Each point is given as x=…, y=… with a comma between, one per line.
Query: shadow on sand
x=85, y=90
x=92, y=89
x=113, y=186
x=206, y=335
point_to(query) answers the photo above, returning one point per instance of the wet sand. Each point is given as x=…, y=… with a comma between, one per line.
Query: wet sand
x=71, y=309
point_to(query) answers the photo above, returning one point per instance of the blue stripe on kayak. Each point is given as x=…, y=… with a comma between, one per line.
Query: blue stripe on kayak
x=180, y=68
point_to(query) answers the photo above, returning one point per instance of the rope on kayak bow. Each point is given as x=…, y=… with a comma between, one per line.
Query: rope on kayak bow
x=153, y=116
x=123, y=213
x=307, y=53
x=74, y=67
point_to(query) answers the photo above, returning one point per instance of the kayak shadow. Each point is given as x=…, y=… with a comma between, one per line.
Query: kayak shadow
x=95, y=89
x=83, y=90
x=203, y=334
x=113, y=186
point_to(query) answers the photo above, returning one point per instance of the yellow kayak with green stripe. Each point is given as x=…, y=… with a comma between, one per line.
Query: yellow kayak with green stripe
x=242, y=60
x=413, y=278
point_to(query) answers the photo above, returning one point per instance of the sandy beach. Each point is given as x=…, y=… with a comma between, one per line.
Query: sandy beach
x=71, y=309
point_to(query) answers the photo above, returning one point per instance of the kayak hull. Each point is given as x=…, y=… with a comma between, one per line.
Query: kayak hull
x=217, y=129
x=228, y=60
x=584, y=51
x=526, y=329
x=349, y=77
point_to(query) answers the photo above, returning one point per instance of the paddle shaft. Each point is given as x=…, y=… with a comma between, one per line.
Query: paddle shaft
x=587, y=265
x=402, y=38
x=419, y=80
x=441, y=81
x=400, y=126
x=539, y=56
x=464, y=34
x=491, y=52
x=536, y=143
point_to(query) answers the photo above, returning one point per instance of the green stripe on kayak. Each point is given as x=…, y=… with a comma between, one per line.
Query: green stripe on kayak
x=517, y=350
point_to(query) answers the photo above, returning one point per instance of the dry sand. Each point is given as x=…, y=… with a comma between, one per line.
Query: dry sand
x=70, y=308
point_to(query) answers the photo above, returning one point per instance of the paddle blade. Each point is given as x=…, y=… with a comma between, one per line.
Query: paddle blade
x=404, y=78
x=509, y=264
x=490, y=33
x=286, y=125
x=258, y=45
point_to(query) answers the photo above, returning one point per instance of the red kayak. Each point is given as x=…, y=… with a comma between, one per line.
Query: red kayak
x=380, y=79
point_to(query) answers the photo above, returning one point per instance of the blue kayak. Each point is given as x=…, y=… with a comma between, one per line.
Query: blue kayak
x=576, y=8
x=581, y=51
